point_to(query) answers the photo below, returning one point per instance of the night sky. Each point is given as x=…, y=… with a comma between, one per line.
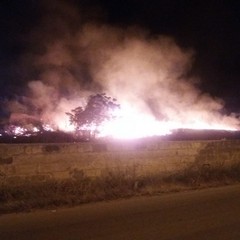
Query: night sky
x=210, y=27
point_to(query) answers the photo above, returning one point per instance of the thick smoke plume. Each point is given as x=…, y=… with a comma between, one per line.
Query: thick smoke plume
x=72, y=58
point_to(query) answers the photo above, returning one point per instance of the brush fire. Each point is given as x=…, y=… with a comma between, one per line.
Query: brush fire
x=147, y=80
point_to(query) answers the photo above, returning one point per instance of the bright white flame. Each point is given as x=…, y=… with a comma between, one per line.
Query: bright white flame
x=19, y=130
x=35, y=129
x=48, y=127
x=64, y=124
x=129, y=124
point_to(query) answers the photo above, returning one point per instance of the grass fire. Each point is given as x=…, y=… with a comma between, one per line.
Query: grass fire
x=149, y=76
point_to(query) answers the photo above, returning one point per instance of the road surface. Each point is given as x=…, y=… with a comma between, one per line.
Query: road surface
x=202, y=214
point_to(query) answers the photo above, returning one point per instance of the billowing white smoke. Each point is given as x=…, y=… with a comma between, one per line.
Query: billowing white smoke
x=145, y=73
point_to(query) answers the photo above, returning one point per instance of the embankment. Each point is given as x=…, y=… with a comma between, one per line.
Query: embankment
x=44, y=162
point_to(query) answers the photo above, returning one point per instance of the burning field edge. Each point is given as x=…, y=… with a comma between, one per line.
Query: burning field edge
x=82, y=189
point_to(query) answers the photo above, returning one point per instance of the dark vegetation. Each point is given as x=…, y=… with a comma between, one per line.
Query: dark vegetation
x=41, y=137
x=61, y=137
x=81, y=189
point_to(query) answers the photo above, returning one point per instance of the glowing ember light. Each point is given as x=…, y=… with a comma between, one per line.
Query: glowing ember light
x=19, y=131
x=48, y=127
x=35, y=129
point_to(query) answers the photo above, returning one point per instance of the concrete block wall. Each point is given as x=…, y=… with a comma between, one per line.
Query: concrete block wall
x=42, y=162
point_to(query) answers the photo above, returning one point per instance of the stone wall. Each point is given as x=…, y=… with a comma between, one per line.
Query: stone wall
x=41, y=162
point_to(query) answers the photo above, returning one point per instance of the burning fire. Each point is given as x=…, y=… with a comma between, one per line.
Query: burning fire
x=131, y=125
x=128, y=123
x=148, y=75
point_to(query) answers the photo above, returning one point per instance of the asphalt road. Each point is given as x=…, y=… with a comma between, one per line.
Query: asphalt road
x=202, y=214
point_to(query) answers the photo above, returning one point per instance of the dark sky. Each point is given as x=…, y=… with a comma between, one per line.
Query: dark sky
x=210, y=27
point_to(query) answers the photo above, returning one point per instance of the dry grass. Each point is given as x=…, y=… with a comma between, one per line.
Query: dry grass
x=115, y=185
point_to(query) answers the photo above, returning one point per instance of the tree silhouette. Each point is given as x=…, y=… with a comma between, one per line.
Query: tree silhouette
x=87, y=120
